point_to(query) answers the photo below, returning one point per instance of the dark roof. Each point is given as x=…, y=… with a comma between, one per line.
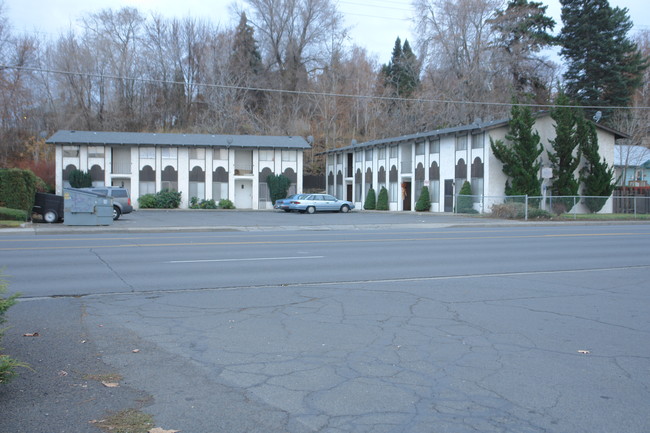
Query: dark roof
x=166, y=139
x=473, y=128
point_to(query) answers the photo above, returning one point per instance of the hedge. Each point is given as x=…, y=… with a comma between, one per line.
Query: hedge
x=18, y=189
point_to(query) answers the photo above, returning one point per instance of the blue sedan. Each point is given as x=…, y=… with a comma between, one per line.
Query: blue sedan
x=284, y=202
x=319, y=202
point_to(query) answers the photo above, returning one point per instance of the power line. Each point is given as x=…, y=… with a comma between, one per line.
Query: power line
x=306, y=93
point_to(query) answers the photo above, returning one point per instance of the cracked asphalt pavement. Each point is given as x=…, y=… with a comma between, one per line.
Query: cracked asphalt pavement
x=513, y=346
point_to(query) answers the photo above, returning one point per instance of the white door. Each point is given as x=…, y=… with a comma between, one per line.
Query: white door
x=244, y=194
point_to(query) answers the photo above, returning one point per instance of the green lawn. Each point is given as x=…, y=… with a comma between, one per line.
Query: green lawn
x=605, y=217
x=10, y=223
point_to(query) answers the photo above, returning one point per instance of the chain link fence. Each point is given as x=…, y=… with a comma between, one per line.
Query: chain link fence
x=525, y=207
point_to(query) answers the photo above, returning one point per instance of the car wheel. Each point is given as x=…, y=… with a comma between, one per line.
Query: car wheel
x=287, y=210
x=310, y=209
x=345, y=208
x=116, y=213
x=50, y=216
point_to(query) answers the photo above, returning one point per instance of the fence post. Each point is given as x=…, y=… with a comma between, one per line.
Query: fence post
x=526, y=208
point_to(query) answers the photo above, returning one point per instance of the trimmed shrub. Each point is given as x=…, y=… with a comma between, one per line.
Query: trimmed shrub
x=203, y=204
x=382, y=200
x=278, y=186
x=465, y=201
x=424, y=201
x=80, y=179
x=168, y=199
x=515, y=210
x=147, y=201
x=165, y=199
x=18, y=189
x=12, y=214
x=224, y=203
x=371, y=200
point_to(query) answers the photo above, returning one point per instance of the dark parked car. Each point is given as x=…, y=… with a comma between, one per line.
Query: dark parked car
x=48, y=206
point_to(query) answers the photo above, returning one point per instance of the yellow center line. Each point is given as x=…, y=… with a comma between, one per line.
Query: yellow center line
x=322, y=241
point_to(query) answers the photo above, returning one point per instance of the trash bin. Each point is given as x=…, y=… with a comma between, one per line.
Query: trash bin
x=85, y=208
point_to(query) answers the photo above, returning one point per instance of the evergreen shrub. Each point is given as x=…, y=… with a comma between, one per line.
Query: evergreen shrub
x=80, y=179
x=465, y=201
x=278, y=186
x=224, y=203
x=165, y=199
x=18, y=189
x=424, y=201
x=12, y=214
x=203, y=204
x=382, y=200
x=371, y=200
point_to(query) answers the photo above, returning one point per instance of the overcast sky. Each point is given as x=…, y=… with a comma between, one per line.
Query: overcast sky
x=375, y=23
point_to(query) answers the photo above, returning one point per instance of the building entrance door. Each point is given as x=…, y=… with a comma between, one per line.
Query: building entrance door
x=449, y=195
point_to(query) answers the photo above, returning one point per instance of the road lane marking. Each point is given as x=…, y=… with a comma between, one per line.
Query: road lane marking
x=325, y=241
x=253, y=259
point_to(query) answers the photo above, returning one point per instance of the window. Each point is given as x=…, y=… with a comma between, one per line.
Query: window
x=330, y=159
x=169, y=153
x=381, y=153
x=70, y=151
x=197, y=153
x=266, y=155
x=358, y=156
x=244, y=162
x=434, y=146
x=393, y=151
x=288, y=155
x=419, y=148
x=220, y=154
x=95, y=151
x=147, y=153
x=477, y=141
x=368, y=154
x=461, y=142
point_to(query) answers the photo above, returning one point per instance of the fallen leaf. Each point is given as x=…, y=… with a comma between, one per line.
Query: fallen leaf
x=35, y=334
x=135, y=350
x=584, y=352
x=160, y=430
x=110, y=384
x=62, y=373
x=96, y=421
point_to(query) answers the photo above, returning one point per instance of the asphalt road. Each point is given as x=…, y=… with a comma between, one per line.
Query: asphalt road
x=399, y=328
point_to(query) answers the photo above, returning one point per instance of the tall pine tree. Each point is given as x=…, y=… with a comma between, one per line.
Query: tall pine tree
x=605, y=67
x=402, y=73
x=522, y=31
x=565, y=155
x=520, y=153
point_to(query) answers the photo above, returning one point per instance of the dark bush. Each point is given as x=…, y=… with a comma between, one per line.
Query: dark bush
x=515, y=210
x=80, y=179
x=382, y=200
x=371, y=200
x=424, y=201
x=278, y=186
x=12, y=214
x=18, y=189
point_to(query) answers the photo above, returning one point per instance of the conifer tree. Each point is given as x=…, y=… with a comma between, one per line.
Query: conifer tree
x=565, y=156
x=402, y=73
x=371, y=200
x=382, y=199
x=424, y=201
x=605, y=67
x=520, y=153
x=596, y=176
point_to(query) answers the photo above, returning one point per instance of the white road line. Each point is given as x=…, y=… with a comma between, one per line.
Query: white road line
x=252, y=259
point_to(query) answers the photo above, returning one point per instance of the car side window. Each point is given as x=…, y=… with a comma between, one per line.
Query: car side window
x=101, y=191
x=119, y=193
x=330, y=198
